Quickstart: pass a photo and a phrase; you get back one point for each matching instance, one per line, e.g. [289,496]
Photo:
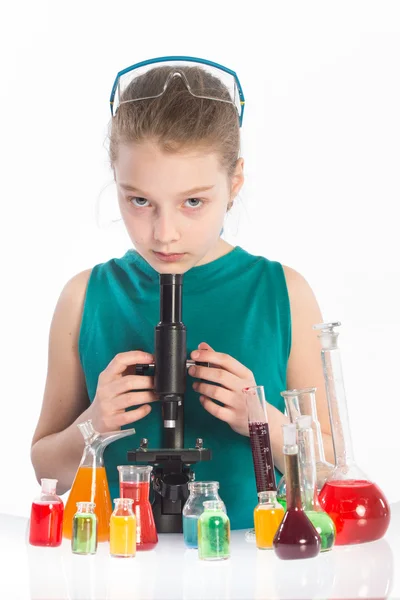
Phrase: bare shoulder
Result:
[65,395]
[301,295]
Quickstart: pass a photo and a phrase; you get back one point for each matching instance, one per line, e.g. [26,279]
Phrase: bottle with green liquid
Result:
[308,484]
[213,532]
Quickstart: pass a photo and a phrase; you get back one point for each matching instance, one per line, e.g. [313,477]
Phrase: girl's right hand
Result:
[115,393]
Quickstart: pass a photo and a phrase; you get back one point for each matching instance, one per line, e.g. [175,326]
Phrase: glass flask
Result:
[358,507]
[296,536]
[308,484]
[268,515]
[123,529]
[299,403]
[45,525]
[134,483]
[213,532]
[263,462]
[90,483]
[199,492]
[84,529]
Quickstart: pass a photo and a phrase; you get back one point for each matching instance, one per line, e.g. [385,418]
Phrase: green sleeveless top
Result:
[239,305]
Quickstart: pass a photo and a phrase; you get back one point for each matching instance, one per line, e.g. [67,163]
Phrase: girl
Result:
[175,155]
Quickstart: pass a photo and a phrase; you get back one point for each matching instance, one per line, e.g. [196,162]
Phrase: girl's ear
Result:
[237,180]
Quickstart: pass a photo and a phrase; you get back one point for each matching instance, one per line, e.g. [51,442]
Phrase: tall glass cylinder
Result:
[357,506]
[308,483]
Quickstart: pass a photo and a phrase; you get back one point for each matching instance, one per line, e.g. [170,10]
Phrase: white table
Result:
[171,571]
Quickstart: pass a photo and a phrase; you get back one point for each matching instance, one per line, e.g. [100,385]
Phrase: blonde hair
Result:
[177,120]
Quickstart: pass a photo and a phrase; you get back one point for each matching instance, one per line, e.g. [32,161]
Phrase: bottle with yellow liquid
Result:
[90,483]
[123,529]
[268,515]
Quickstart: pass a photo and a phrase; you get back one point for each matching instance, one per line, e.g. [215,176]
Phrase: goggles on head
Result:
[172,68]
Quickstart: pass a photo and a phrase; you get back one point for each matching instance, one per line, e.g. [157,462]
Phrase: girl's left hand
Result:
[233,376]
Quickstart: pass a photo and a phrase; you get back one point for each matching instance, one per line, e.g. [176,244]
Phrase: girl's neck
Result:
[220,249]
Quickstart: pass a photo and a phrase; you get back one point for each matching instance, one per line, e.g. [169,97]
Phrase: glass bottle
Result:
[123,529]
[308,484]
[134,483]
[199,492]
[90,483]
[299,403]
[296,536]
[213,532]
[47,511]
[84,529]
[358,507]
[267,516]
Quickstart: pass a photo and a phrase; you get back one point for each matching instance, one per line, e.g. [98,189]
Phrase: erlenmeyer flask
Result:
[358,507]
[134,483]
[302,403]
[90,483]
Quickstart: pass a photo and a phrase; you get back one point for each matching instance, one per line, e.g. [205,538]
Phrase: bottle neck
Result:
[338,412]
[308,472]
[293,494]
[268,497]
[305,404]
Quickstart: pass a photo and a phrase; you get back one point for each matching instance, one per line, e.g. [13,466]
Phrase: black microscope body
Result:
[172,463]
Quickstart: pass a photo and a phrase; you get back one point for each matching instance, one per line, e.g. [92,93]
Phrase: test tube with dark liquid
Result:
[268,514]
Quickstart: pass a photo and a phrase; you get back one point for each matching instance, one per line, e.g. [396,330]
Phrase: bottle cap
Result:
[304,422]
[289,434]
[49,485]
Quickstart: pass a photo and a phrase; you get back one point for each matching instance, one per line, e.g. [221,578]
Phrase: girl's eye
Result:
[194,202]
[138,201]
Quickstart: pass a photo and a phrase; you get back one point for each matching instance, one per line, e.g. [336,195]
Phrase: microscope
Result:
[172,463]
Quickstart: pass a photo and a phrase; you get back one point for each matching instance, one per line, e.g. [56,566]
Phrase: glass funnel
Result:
[308,484]
[260,442]
[90,483]
[301,403]
[358,507]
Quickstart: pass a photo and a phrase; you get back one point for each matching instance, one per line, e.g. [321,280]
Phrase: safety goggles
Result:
[190,79]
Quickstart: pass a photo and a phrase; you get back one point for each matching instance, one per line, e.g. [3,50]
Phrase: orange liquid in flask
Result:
[81,492]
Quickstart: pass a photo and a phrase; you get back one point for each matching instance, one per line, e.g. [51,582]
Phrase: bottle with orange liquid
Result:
[90,483]
[123,529]
[357,506]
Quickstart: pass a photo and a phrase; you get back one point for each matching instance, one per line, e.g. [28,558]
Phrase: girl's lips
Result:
[169,257]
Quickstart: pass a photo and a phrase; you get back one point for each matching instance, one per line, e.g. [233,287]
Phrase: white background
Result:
[321,146]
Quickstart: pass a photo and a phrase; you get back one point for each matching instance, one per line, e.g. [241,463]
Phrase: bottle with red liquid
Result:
[45,527]
[296,536]
[134,483]
[357,506]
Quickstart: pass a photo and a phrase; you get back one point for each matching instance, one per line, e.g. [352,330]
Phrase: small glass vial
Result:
[268,515]
[199,492]
[45,525]
[84,529]
[213,532]
[123,529]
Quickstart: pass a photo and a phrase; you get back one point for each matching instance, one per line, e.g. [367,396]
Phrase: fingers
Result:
[220,412]
[217,393]
[130,382]
[231,382]
[134,415]
[222,360]
[121,361]
[132,399]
